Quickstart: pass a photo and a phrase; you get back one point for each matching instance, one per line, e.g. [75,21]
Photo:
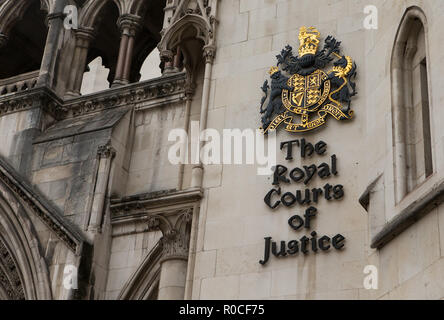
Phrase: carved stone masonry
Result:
[209,53]
[9,275]
[84,37]
[106,151]
[129,24]
[167,56]
[176,233]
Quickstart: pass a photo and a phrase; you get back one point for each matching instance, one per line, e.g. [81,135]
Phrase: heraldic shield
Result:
[309,90]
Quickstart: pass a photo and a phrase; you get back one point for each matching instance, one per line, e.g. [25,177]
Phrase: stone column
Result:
[54,21]
[209,54]
[83,39]
[174,264]
[105,155]
[129,26]
[175,250]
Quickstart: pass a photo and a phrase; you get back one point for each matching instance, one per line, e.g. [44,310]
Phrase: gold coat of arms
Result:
[302,101]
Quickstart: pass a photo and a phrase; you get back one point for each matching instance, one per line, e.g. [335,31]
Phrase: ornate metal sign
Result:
[309,89]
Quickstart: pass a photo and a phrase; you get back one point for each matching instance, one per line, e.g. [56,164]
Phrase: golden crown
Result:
[273,70]
[309,41]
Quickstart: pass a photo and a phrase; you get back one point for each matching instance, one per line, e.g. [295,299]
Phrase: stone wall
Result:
[62,161]
[233,226]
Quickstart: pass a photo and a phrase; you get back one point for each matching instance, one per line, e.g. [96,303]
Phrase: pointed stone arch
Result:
[413,23]
[189,26]
[25,215]
[137,7]
[90,11]
[23,270]
[12,11]
[144,283]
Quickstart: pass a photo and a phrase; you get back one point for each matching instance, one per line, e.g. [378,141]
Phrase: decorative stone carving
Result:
[175,229]
[142,206]
[106,151]
[9,275]
[137,93]
[33,98]
[129,24]
[166,56]
[209,53]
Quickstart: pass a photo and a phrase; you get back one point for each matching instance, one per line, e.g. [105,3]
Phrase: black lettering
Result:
[309,213]
[297,174]
[289,145]
[306,199]
[307,149]
[288,203]
[333,165]
[310,172]
[338,192]
[267,198]
[314,246]
[304,242]
[282,252]
[324,171]
[320,148]
[279,175]
[267,251]
[316,193]
[327,190]
[322,242]
[293,247]
[296,222]
[338,241]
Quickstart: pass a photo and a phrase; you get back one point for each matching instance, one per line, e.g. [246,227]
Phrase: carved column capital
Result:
[209,53]
[106,151]
[129,24]
[175,231]
[84,36]
[175,246]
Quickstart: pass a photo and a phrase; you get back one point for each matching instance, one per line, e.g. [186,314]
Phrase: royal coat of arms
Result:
[309,90]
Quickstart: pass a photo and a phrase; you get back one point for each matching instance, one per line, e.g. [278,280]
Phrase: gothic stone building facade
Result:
[88,195]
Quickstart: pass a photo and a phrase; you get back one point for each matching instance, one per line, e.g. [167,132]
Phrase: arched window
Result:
[23,50]
[103,52]
[22,46]
[411,107]
[122,39]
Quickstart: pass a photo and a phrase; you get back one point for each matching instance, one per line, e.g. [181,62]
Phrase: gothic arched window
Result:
[411,108]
